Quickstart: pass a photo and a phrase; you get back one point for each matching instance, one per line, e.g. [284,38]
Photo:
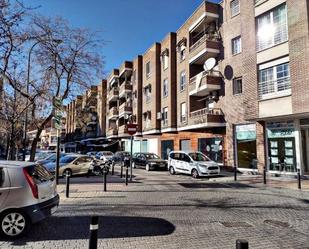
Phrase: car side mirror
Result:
[76,163]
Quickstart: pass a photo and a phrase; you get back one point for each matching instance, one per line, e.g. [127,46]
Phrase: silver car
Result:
[27,195]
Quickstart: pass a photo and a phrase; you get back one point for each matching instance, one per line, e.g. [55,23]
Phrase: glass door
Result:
[166,147]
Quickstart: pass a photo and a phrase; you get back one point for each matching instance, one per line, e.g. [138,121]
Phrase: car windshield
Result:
[199,157]
[67,159]
[152,156]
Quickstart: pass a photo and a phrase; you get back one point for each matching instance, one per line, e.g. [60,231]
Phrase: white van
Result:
[192,163]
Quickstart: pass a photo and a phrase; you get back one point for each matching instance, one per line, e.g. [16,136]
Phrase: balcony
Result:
[124,108]
[206,44]
[125,87]
[126,68]
[113,94]
[204,83]
[123,131]
[112,132]
[113,113]
[206,117]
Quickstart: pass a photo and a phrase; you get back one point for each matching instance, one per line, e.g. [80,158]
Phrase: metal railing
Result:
[206,111]
[274,87]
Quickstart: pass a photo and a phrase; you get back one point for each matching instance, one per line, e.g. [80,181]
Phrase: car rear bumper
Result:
[42,210]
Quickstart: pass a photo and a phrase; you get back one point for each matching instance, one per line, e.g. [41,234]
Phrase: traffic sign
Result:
[131,129]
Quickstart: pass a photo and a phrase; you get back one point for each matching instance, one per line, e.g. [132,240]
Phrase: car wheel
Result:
[147,167]
[14,224]
[194,173]
[172,170]
[67,172]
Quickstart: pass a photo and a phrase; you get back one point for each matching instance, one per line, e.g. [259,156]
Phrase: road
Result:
[163,211]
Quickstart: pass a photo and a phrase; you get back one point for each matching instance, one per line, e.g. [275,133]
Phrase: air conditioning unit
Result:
[159,115]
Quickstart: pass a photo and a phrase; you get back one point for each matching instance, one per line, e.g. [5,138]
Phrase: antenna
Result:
[209,64]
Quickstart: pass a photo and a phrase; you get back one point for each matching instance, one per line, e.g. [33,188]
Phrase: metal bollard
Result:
[67,189]
[121,170]
[264,175]
[242,244]
[299,178]
[235,173]
[127,173]
[104,176]
[94,226]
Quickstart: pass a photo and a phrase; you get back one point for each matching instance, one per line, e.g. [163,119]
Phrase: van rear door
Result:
[4,185]
[44,180]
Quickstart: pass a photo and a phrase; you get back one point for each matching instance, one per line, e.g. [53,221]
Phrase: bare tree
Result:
[68,62]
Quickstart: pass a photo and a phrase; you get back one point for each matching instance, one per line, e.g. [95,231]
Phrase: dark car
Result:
[119,157]
[149,161]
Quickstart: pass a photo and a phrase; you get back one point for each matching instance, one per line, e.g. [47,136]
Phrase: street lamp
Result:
[57,41]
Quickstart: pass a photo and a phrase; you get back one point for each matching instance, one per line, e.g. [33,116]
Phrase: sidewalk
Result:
[271,181]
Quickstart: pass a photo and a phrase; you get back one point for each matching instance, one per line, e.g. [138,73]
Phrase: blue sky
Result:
[130,27]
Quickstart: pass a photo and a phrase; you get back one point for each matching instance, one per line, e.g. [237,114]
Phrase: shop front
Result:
[281,146]
[245,144]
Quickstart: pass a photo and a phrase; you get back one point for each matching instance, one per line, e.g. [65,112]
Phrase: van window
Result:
[175,156]
[1,177]
[185,158]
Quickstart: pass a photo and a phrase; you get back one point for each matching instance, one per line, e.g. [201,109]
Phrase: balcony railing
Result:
[203,39]
[125,87]
[113,113]
[205,112]
[124,108]
[113,93]
[112,131]
[204,74]
[122,129]
[274,88]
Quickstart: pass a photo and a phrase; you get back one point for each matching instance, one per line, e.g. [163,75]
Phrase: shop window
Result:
[185,145]
[212,147]
[246,146]
[281,146]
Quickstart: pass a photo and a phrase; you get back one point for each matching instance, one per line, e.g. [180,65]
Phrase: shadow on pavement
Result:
[77,227]
[215,185]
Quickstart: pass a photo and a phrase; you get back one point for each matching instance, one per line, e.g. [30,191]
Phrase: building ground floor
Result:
[279,145]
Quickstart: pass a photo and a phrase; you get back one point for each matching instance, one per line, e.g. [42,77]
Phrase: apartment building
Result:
[251,110]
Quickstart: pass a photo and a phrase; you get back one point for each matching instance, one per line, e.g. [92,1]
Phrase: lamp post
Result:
[27,91]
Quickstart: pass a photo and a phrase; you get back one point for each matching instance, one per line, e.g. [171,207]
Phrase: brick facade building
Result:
[250,110]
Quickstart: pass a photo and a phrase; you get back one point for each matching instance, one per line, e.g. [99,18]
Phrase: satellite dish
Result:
[209,64]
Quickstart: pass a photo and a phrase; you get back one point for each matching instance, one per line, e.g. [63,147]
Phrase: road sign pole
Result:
[57,156]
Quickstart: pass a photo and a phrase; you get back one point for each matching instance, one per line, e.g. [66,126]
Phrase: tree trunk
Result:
[34,144]
[11,150]
[37,137]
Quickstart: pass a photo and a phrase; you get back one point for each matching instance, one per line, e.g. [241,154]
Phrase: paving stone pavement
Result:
[163,211]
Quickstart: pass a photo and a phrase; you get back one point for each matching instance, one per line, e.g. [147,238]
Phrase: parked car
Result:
[73,164]
[39,155]
[51,158]
[149,161]
[91,153]
[104,155]
[119,157]
[192,163]
[27,195]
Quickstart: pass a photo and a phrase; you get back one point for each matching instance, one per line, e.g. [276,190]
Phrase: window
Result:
[274,80]
[182,53]
[183,112]
[235,7]
[148,69]
[164,116]
[272,28]
[236,45]
[182,80]
[237,86]
[148,94]
[165,61]
[165,88]
[1,177]
[134,77]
